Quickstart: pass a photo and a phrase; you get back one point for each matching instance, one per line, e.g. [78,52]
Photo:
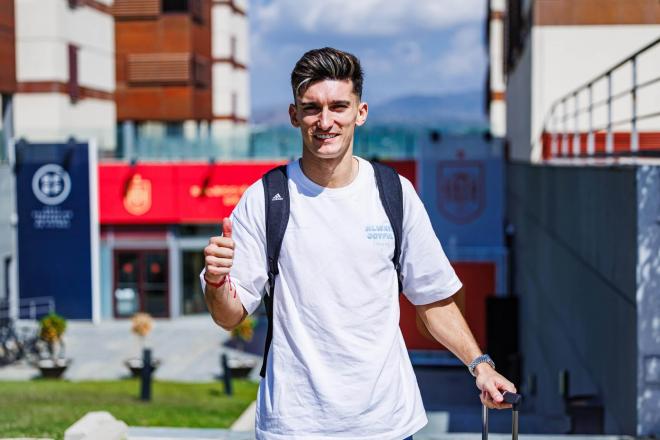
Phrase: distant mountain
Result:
[462,109]
[273,115]
[459,108]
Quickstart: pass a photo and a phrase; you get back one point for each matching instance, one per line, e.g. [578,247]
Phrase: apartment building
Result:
[65,71]
[181,68]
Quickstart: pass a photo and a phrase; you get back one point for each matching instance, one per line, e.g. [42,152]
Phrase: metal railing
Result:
[28,308]
[267,143]
[572,127]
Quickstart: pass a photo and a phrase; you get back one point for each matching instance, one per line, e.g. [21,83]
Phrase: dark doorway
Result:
[141,283]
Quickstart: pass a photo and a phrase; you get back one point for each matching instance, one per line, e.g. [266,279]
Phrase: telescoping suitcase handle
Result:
[515,400]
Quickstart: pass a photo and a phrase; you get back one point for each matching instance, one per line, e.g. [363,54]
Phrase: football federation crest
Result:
[461,190]
[51,184]
[137,199]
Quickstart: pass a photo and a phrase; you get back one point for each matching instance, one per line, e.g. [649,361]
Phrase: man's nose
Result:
[325,119]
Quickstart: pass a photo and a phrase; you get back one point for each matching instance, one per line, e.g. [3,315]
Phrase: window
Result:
[201,72]
[232,47]
[193,297]
[174,129]
[175,5]
[74,87]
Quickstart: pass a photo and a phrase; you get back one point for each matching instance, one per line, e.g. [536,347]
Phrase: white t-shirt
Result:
[338,367]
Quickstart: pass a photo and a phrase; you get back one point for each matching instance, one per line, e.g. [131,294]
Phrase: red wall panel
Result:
[478,282]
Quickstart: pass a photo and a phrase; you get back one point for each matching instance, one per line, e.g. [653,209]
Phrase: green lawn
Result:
[45,408]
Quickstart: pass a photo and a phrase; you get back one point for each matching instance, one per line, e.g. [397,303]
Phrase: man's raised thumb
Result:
[226,227]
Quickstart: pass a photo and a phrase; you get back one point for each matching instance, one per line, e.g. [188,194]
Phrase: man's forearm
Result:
[225,307]
[445,322]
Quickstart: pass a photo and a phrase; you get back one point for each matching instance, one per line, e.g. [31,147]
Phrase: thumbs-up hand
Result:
[219,255]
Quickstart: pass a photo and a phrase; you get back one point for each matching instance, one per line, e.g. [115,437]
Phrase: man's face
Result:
[327,114]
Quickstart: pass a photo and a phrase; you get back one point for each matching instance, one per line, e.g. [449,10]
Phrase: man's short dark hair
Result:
[323,64]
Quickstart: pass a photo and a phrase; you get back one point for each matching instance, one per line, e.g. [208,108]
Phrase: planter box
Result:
[135,365]
[53,369]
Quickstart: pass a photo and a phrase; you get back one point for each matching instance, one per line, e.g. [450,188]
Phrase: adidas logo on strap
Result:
[276,197]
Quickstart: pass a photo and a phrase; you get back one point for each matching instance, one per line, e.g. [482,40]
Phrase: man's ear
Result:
[363,110]
[293,115]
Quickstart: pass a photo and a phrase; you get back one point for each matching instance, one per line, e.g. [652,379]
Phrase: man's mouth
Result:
[325,136]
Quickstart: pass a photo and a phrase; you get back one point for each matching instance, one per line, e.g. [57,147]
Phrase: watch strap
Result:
[484,358]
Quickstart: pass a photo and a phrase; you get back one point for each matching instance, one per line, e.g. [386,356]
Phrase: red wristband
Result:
[216,285]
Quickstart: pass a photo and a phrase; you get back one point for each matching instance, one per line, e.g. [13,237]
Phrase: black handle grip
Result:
[512,398]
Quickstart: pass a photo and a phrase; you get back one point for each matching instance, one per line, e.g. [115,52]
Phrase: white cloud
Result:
[464,55]
[405,46]
[365,17]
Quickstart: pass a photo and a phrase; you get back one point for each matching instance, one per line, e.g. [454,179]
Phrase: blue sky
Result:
[428,47]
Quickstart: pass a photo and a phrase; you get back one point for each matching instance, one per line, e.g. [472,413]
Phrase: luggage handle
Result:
[515,400]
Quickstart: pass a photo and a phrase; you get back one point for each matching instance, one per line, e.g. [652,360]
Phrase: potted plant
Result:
[51,329]
[141,326]
[240,335]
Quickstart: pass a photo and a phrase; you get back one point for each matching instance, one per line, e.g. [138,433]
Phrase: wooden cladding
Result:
[163,60]
[7,47]
[130,9]
[596,12]
[159,69]
[62,88]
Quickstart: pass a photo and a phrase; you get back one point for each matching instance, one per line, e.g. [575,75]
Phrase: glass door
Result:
[141,283]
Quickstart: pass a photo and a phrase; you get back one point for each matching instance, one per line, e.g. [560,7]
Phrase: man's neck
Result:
[330,173]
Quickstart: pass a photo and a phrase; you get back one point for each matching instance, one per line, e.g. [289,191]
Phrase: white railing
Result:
[582,123]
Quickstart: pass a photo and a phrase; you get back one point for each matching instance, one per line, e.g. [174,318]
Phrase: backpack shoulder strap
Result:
[391,196]
[276,196]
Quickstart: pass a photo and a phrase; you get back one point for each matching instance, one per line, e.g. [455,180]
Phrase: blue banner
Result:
[462,187]
[55,225]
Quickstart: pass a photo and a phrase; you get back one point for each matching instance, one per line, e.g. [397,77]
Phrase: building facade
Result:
[160,79]
[65,71]
[182,77]
[495,83]
[582,114]
[553,47]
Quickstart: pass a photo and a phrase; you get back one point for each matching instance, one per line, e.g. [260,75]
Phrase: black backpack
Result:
[276,191]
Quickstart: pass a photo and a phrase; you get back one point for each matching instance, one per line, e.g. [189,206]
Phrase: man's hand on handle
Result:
[492,384]
[219,254]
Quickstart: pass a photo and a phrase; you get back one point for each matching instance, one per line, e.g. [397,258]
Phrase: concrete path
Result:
[189,349]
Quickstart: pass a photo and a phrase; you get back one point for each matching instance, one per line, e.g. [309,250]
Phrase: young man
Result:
[337,367]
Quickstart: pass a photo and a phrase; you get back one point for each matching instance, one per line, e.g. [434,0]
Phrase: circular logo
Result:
[51,184]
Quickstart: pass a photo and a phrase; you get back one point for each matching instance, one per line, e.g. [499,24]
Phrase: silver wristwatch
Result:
[479,360]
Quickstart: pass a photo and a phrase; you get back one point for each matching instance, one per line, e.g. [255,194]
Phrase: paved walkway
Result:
[189,349]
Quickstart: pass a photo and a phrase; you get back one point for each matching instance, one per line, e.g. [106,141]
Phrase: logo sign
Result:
[137,200]
[461,190]
[57,231]
[51,184]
